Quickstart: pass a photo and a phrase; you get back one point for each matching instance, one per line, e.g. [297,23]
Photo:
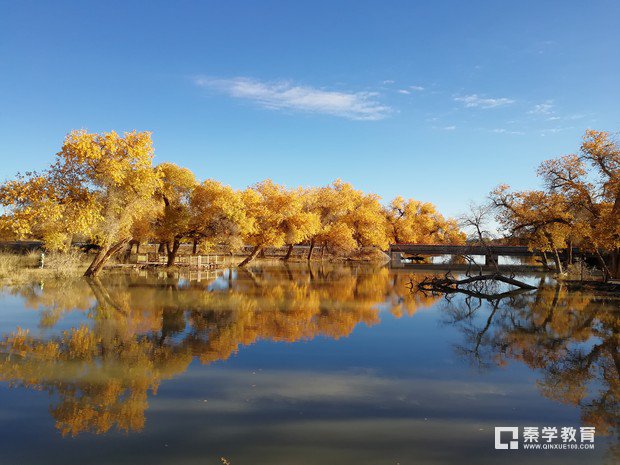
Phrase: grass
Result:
[16,267]
[578,272]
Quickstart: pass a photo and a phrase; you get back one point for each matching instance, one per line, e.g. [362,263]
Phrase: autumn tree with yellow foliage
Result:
[97,187]
[579,207]
[420,222]
[218,214]
[278,217]
[173,223]
[331,204]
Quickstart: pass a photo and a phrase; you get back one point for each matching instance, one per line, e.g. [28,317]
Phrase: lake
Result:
[300,365]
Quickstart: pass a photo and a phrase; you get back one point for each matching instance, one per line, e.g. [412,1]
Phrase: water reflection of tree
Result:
[570,336]
[138,331]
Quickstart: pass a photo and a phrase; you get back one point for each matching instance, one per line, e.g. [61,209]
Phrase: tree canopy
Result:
[103,188]
[98,186]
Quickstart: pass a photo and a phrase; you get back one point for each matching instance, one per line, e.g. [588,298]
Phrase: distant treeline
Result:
[104,188]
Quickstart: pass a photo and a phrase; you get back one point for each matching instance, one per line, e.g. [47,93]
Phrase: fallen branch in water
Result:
[472,285]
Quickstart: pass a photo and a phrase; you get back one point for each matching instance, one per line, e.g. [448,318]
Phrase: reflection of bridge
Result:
[491,252]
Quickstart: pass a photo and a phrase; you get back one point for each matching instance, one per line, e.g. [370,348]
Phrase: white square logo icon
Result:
[513,442]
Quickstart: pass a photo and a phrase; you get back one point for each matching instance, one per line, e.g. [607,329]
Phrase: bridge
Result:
[491,252]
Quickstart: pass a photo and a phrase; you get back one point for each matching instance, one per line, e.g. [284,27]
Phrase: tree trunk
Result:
[289,252]
[322,251]
[250,257]
[137,247]
[161,249]
[195,247]
[615,263]
[103,255]
[556,255]
[172,252]
[602,264]
[311,249]
[556,259]
[127,254]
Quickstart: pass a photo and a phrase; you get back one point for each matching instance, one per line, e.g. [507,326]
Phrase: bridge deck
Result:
[442,249]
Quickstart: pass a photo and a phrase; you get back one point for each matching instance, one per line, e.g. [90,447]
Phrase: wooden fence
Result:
[152,258]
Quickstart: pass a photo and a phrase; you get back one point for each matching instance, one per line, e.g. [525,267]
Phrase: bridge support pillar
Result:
[396,260]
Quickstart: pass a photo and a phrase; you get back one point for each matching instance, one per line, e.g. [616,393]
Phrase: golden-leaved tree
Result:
[543,219]
[348,218]
[331,205]
[366,220]
[97,187]
[301,222]
[580,206]
[173,223]
[419,222]
[218,214]
[278,217]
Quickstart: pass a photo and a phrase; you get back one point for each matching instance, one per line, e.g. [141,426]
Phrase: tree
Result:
[580,205]
[348,218]
[142,231]
[594,195]
[218,214]
[278,217]
[301,222]
[97,187]
[543,219]
[419,222]
[367,220]
[173,223]
[331,204]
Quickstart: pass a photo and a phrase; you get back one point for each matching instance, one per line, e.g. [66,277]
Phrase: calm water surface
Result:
[297,365]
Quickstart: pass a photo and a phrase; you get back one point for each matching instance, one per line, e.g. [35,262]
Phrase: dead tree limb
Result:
[472,285]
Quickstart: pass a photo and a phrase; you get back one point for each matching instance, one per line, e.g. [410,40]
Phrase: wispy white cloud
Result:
[545,108]
[547,111]
[388,81]
[403,91]
[282,95]
[507,131]
[418,88]
[555,130]
[475,101]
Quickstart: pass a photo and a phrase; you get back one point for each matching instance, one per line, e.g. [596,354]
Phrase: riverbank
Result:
[15,268]
[610,287]
[34,265]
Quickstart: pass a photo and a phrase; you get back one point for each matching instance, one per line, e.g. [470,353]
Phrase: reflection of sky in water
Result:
[392,392]
[480,259]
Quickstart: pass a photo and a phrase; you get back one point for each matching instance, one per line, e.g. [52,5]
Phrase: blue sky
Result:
[437,100]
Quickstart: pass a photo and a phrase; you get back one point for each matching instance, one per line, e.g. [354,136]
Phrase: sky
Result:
[437,100]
